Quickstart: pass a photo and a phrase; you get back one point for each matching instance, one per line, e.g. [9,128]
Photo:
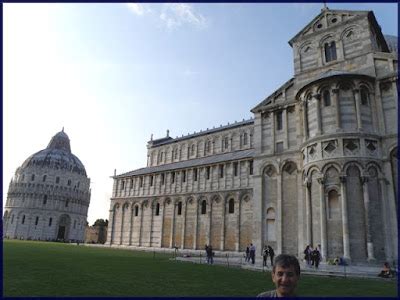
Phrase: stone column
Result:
[184,203]
[272,131]
[336,102]
[345,219]
[305,120]
[395,92]
[151,222]
[358,108]
[317,98]
[162,223]
[386,219]
[324,248]
[237,245]
[370,245]
[222,246]
[209,223]
[279,213]
[375,124]
[130,226]
[141,224]
[308,212]
[196,224]
[172,237]
[286,128]
[379,108]
[122,225]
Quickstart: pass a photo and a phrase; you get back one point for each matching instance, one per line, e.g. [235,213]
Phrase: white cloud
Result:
[138,9]
[177,14]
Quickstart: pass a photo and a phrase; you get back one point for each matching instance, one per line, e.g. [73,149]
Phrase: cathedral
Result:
[49,196]
[316,165]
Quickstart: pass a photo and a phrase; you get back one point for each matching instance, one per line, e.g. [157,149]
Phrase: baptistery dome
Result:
[49,196]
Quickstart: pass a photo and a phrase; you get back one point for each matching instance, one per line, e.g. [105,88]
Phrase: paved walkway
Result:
[323,270]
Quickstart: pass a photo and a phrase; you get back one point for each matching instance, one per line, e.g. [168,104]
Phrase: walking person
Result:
[253,253]
[271,254]
[307,255]
[316,257]
[265,256]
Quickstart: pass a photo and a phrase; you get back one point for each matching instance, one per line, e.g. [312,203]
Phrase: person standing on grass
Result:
[253,253]
[265,256]
[285,276]
[271,254]
[210,259]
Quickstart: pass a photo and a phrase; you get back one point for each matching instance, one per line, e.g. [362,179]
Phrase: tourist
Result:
[265,256]
[386,271]
[316,257]
[210,259]
[247,253]
[271,254]
[307,255]
[285,275]
[253,253]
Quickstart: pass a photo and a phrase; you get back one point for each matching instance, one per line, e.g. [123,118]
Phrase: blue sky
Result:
[113,74]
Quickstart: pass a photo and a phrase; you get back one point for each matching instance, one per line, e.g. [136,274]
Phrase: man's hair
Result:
[286,261]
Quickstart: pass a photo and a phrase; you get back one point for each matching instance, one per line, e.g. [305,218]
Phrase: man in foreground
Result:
[285,275]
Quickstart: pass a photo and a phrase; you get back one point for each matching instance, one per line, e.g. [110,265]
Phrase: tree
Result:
[101,222]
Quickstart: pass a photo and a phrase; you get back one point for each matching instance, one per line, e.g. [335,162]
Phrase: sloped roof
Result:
[169,140]
[321,16]
[268,100]
[208,160]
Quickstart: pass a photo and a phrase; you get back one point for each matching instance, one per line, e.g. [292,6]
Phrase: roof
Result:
[331,73]
[169,140]
[268,100]
[391,41]
[208,160]
[57,156]
[319,16]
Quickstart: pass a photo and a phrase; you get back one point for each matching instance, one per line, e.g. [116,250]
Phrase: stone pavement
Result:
[324,269]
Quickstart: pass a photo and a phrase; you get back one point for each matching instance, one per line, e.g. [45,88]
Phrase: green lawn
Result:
[55,269]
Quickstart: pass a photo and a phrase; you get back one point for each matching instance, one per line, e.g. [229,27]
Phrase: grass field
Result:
[55,269]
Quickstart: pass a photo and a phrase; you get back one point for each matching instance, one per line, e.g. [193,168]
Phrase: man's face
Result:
[285,280]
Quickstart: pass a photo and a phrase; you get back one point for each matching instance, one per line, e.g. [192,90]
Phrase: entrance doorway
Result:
[61,232]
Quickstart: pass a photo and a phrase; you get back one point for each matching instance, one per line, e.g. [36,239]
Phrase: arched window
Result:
[45,199]
[33,177]
[364,96]
[12,219]
[44,178]
[57,179]
[333,205]
[271,224]
[226,143]
[158,209]
[326,95]
[192,150]
[231,206]
[23,219]
[203,207]
[279,123]
[50,221]
[136,211]
[180,208]
[36,221]
[330,51]
[245,139]
[66,203]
